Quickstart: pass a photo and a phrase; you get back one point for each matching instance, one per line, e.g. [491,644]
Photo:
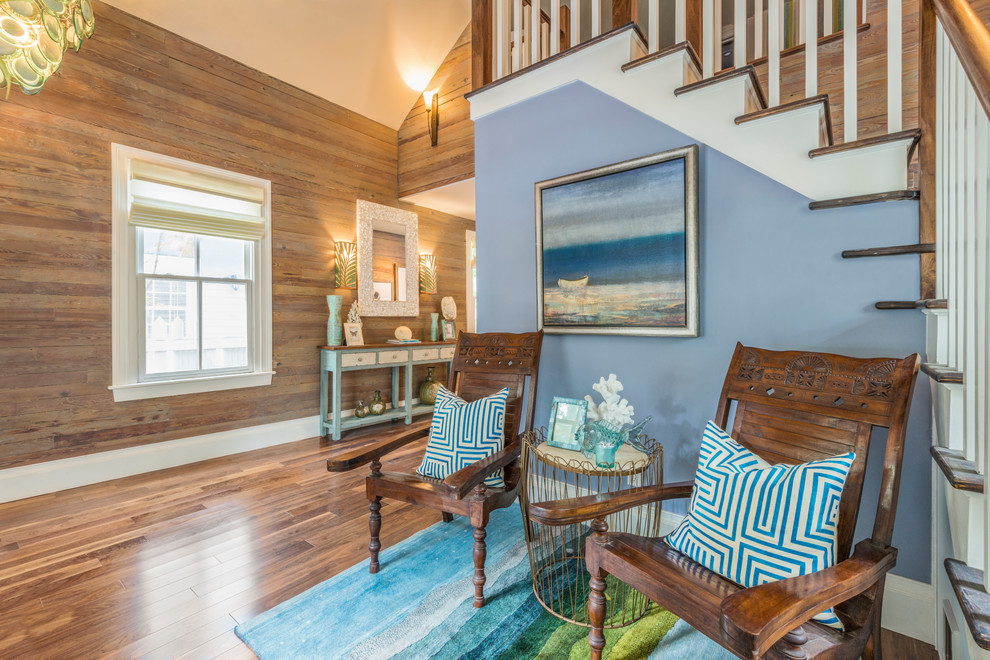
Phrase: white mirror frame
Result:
[371,216]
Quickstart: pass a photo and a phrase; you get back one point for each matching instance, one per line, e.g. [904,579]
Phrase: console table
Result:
[335,360]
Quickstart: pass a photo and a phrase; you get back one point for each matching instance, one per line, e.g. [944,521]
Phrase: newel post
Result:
[481,43]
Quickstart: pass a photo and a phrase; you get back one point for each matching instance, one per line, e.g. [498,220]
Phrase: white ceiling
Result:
[374,57]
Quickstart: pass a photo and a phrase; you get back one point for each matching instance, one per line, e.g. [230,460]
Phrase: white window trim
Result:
[125,326]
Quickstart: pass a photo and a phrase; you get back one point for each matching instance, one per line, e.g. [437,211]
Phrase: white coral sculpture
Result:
[612,409]
[354,315]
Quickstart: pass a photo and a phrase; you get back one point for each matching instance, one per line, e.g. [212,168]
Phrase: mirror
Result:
[388,252]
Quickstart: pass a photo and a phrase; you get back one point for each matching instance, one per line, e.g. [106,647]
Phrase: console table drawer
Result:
[447,353]
[425,354]
[355,359]
[392,357]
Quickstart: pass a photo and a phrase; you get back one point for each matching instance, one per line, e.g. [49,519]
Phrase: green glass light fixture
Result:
[33,36]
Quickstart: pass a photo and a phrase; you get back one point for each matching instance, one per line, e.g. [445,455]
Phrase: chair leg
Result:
[447,517]
[596,614]
[374,526]
[874,647]
[479,566]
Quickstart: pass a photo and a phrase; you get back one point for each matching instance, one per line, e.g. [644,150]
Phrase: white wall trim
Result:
[908,605]
[42,478]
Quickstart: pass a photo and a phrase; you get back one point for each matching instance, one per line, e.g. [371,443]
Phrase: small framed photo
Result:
[447,330]
[353,334]
[382,291]
[567,416]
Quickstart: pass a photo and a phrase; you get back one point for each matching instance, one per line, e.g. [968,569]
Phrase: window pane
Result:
[168,252]
[171,327]
[224,325]
[223,257]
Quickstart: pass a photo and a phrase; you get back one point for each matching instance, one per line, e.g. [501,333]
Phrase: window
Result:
[191,277]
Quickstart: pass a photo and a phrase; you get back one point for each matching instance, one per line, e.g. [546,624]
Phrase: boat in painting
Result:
[573,284]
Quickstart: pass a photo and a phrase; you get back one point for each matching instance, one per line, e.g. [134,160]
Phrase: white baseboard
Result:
[908,605]
[909,608]
[52,476]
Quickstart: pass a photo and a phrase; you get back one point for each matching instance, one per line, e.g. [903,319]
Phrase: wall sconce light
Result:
[432,115]
[346,257]
[33,36]
[427,273]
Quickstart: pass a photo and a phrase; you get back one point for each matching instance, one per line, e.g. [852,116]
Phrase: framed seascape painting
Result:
[617,248]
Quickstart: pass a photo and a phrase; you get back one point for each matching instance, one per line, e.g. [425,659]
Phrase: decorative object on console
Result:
[35,35]
[795,536]
[346,257]
[432,104]
[447,330]
[361,409]
[462,433]
[428,390]
[354,314]
[448,307]
[427,273]
[610,238]
[334,330]
[434,326]
[377,406]
[567,418]
[403,333]
[353,334]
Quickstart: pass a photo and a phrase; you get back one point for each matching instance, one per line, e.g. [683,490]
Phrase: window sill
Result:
[161,388]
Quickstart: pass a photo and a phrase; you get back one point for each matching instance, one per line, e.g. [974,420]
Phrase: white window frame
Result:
[127,307]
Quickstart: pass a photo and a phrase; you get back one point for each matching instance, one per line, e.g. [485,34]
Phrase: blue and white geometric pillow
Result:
[754,523]
[462,433]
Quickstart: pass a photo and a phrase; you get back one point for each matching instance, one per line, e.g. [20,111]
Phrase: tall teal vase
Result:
[335,331]
[434,327]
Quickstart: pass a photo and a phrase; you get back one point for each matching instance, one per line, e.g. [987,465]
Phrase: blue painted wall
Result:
[771,276]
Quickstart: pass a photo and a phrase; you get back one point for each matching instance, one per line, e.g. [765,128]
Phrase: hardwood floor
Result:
[164,565]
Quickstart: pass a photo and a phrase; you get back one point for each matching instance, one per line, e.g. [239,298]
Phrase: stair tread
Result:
[916,248]
[890,196]
[670,50]
[928,303]
[967,583]
[747,70]
[941,374]
[913,134]
[821,99]
[961,473]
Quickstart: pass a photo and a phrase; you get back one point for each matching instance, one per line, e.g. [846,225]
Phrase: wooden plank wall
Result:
[139,85]
[421,165]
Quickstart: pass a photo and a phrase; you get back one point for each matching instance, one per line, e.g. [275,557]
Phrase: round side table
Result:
[556,554]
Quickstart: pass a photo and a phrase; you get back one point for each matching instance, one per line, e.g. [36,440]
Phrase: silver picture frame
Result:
[612,237]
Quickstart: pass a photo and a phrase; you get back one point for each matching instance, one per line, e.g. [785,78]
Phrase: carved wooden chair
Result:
[482,365]
[791,407]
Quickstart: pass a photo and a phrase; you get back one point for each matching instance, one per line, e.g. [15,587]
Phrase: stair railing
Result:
[955,153]
[772,29]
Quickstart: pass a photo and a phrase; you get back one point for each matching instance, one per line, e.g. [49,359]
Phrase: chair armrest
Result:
[588,507]
[462,482]
[754,619]
[348,458]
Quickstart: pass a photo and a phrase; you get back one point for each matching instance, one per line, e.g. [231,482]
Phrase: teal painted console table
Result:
[336,360]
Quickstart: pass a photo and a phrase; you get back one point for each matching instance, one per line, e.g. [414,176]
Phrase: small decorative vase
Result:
[335,331]
[605,455]
[361,409]
[434,327]
[377,406]
[428,390]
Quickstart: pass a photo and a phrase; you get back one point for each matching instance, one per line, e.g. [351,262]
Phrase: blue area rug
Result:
[419,605]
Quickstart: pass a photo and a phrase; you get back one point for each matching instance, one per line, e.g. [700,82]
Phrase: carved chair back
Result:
[794,407]
[485,363]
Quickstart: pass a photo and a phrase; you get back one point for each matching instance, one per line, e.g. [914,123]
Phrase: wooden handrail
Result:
[971,40]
